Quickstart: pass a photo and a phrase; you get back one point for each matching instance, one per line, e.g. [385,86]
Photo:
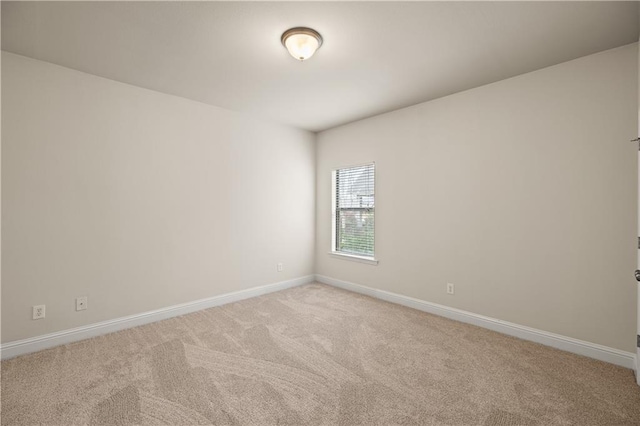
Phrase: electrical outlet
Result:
[38,312]
[81,303]
[280,267]
[450,288]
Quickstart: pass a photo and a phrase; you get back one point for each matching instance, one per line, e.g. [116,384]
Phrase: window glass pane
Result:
[355,215]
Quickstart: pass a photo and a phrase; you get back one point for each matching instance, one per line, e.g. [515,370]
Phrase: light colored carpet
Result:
[314,355]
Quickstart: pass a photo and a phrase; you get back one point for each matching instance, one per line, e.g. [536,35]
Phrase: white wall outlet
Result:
[280,267]
[450,288]
[81,303]
[38,312]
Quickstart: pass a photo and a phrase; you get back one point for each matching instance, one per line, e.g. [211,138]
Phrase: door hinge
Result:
[636,140]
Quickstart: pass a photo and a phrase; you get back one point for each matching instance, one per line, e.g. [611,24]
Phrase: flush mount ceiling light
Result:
[301,42]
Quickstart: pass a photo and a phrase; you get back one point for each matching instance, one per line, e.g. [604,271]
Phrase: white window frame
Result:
[370,260]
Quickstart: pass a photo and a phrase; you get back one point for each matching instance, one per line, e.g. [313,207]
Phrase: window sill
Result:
[354,258]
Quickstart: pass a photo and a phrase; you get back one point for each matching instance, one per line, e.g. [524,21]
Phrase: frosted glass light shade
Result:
[301,43]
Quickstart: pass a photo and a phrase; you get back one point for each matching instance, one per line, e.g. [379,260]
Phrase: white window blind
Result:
[354,210]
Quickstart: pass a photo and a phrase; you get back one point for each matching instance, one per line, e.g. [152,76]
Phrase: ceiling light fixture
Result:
[301,42]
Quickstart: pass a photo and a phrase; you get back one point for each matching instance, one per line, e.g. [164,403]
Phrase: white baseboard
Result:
[38,343]
[581,347]
[637,367]
[569,344]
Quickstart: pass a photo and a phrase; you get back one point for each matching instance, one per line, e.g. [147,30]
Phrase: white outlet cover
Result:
[38,312]
[280,267]
[450,288]
[81,303]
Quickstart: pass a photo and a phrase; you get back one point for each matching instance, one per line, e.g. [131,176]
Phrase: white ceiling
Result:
[376,57]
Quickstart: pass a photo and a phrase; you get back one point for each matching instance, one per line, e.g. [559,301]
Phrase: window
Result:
[353,207]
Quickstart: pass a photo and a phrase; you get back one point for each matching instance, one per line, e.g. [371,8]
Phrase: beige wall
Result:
[638,228]
[140,200]
[522,193]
